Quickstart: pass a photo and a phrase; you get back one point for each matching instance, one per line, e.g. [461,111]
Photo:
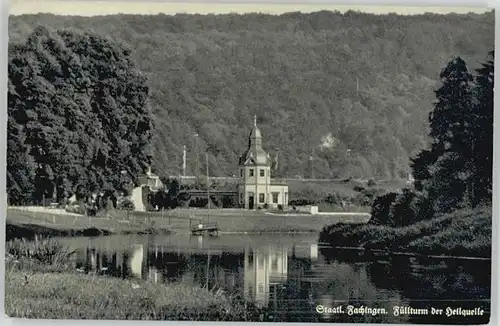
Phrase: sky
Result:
[91,8]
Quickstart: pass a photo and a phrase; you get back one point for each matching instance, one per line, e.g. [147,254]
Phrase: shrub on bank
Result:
[303,202]
[464,232]
[468,234]
[126,205]
[401,209]
[381,208]
[401,212]
[39,254]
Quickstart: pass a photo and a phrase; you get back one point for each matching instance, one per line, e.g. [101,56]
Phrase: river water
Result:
[296,279]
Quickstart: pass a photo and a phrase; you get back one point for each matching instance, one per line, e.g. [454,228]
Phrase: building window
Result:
[262,198]
[275,197]
[250,172]
[250,258]
[262,173]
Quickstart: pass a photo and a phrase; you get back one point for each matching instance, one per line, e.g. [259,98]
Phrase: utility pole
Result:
[311,165]
[184,161]
[208,187]
[197,157]
[276,162]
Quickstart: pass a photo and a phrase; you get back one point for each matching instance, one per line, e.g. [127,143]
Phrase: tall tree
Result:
[78,110]
[446,170]
[483,132]
[449,119]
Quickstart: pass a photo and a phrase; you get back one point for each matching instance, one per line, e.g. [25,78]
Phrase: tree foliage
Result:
[172,196]
[381,209]
[363,81]
[483,132]
[79,120]
[456,171]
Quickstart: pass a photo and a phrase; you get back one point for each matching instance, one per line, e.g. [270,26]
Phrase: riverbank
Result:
[53,289]
[461,233]
[73,296]
[178,221]
[27,224]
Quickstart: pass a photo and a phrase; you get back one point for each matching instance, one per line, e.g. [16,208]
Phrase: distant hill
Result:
[324,80]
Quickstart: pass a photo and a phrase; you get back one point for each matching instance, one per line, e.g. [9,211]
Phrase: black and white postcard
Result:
[258,163]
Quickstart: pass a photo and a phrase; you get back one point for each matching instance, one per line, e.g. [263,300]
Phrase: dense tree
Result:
[171,196]
[449,128]
[78,116]
[402,213]
[21,171]
[457,169]
[381,209]
[365,80]
[452,136]
[483,133]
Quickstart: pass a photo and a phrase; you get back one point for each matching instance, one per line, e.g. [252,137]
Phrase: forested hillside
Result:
[324,81]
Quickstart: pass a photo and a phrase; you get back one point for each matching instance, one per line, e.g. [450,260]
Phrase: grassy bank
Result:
[177,221]
[41,282]
[462,233]
[72,296]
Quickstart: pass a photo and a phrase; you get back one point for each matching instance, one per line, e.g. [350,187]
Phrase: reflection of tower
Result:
[118,262]
[136,261]
[96,259]
[154,275]
[263,268]
[93,260]
[278,261]
[314,252]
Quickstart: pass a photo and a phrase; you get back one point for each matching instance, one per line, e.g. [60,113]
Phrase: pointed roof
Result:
[255,154]
[255,134]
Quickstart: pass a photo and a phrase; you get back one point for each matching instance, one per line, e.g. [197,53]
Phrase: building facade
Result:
[256,187]
[151,180]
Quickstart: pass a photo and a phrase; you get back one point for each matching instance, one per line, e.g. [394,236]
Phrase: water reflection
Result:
[263,268]
[291,278]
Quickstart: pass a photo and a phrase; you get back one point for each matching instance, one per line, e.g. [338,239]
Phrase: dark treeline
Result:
[364,80]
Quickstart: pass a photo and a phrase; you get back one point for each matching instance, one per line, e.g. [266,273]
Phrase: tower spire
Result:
[255,120]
